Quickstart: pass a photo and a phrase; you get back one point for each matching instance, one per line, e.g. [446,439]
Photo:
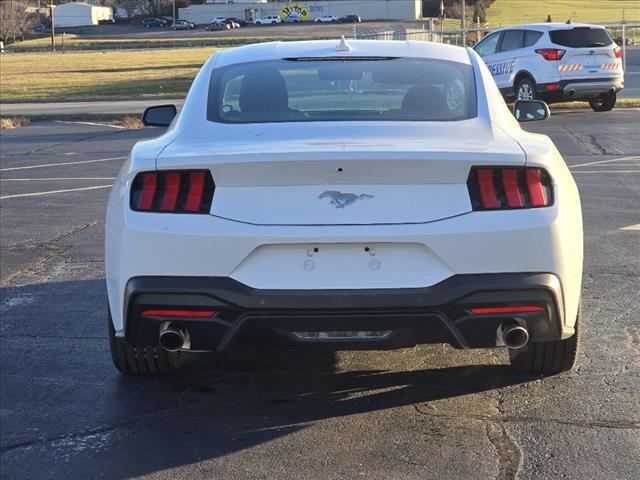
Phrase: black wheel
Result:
[604,102]
[133,359]
[547,357]
[525,89]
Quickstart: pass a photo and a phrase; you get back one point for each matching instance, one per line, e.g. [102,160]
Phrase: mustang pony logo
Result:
[341,200]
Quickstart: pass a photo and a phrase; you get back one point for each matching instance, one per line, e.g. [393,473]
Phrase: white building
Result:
[306,10]
[76,14]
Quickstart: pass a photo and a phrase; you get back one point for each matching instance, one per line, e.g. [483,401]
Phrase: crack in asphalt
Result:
[33,266]
[587,143]
[615,424]
[509,454]
[600,149]
[54,251]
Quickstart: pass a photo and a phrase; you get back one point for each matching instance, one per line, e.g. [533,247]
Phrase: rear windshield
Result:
[311,90]
[581,37]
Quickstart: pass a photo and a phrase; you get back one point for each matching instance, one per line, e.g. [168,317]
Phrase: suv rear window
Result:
[335,89]
[581,37]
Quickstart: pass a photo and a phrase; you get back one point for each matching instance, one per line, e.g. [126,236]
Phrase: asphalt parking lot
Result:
[425,412]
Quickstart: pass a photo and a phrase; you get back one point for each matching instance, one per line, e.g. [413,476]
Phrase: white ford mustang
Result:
[372,194]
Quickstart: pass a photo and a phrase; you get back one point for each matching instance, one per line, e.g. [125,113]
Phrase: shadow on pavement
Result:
[62,398]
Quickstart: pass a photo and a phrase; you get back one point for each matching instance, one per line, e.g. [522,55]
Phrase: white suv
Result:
[555,62]
[326,19]
[267,20]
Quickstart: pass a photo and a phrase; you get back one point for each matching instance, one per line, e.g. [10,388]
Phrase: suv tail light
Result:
[617,52]
[501,188]
[180,191]
[551,53]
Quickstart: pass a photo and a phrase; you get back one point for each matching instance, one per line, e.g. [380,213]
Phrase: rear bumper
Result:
[435,314]
[580,88]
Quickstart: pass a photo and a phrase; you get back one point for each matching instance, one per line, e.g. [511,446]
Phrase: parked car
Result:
[41,28]
[292,18]
[219,19]
[627,41]
[167,20]
[326,19]
[238,23]
[182,25]
[327,216]
[153,22]
[555,62]
[217,26]
[267,20]
[350,19]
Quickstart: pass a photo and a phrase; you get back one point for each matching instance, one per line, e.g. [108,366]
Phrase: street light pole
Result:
[174,10]
[462,24]
[53,27]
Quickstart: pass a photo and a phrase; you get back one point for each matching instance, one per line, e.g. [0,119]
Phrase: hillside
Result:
[513,12]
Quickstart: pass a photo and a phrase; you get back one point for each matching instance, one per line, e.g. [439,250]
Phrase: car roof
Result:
[550,26]
[328,48]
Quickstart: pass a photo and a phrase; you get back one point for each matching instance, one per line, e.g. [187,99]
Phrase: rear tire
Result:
[604,103]
[525,89]
[547,358]
[132,359]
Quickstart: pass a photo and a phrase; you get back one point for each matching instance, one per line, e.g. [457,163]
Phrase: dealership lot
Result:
[268,413]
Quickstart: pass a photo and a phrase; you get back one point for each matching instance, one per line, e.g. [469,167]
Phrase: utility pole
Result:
[174,10]
[53,27]
[462,24]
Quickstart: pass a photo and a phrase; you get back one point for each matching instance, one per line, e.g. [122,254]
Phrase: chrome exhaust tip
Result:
[513,335]
[173,339]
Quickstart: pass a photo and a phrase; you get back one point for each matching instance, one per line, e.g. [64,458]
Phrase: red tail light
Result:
[617,52]
[498,188]
[551,54]
[187,191]
[495,310]
[179,313]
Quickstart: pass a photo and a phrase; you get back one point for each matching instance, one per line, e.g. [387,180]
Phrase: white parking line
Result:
[611,160]
[633,228]
[54,179]
[50,192]
[95,124]
[10,169]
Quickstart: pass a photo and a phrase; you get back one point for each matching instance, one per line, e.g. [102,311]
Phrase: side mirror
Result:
[530,110]
[159,116]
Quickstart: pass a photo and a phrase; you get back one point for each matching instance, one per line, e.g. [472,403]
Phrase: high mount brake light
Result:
[503,188]
[551,54]
[179,191]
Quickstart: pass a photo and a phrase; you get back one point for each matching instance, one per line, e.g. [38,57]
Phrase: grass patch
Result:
[621,102]
[99,75]
[130,122]
[13,122]
[512,12]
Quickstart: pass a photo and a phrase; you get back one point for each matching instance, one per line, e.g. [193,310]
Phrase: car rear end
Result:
[589,63]
[305,225]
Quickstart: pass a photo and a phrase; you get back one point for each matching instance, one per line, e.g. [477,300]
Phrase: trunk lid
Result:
[589,52]
[341,174]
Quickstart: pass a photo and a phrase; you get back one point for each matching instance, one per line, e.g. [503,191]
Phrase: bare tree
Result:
[130,7]
[14,21]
